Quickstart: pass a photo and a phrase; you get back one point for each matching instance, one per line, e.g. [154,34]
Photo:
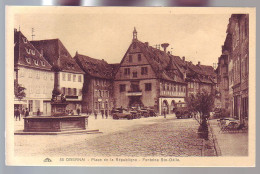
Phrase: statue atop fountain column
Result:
[58,101]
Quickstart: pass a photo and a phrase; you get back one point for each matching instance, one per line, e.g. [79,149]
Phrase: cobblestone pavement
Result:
[145,137]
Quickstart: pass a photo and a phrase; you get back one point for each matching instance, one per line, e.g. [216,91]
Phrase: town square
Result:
[129,85]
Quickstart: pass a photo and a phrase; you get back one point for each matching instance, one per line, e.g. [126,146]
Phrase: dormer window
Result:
[36,62]
[43,63]
[28,60]
[27,50]
[24,40]
[33,52]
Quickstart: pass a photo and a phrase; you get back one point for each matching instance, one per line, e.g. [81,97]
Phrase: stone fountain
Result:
[59,120]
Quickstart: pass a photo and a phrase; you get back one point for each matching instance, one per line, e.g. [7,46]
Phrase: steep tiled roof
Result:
[161,62]
[95,67]
[26,54]
[115,67]
[208,70]
[53,50]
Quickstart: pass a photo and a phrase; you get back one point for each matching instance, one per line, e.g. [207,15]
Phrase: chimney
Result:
[198,63]
[147,44]
[165,45]
[183,58]
[15,30]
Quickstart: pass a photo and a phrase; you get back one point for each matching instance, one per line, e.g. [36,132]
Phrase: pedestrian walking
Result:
[164,113]
[26,112]
[17,115]
[106,113]
[38,112]
[95,113]
[102,113]
[78,111]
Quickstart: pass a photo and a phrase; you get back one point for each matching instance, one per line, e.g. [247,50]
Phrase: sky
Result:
[198,37]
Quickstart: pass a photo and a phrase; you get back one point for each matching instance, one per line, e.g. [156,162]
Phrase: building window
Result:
[75,91]
[127,71]
[69,91]
[74,78]
[139,57]
[24,40]
[27,50]
[122,87]
[37,75]
[191,85]
[64,76]
[43,63]
[30,73]
[36,62]
[28,60]
[148,86]
[45,75]
[69,77]
[79,78]
[144,70]
[33,52]
[130,58]
[134,74]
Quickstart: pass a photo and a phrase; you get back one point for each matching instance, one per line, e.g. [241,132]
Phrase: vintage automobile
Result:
[144,112]
[182,112]
[120,113]
[151,112]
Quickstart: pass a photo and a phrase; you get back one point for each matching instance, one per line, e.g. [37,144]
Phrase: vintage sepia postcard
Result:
[130,86]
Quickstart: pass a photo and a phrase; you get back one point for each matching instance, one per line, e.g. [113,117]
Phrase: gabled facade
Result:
[148,77]
[71,77]
[98,84]
[33,72]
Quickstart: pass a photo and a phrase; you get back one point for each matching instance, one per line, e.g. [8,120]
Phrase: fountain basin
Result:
[55,124]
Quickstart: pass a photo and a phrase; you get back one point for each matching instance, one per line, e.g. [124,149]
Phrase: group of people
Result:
[103,113]
[18,113]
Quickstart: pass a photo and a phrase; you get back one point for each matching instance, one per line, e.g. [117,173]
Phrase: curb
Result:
[215,142]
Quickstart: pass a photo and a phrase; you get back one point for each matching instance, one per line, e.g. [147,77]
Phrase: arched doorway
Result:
[173,106]
[165,106]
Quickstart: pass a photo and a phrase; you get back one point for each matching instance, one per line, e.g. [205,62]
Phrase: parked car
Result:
[182,112]
[120,113]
